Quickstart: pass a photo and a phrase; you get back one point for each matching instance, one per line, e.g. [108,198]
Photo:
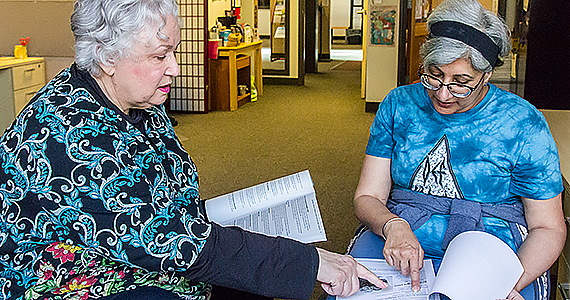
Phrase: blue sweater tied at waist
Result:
[465,215]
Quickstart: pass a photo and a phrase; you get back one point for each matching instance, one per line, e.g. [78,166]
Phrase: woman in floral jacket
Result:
[101,201]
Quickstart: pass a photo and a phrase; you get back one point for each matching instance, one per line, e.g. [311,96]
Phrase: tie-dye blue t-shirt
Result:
[496,152]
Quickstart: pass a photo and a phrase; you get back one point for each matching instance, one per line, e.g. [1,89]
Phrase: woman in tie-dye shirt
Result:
[455,153]
[101,201]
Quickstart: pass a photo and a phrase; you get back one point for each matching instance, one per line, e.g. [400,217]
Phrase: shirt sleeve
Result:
[77,174]
[270,266]
[380,141]
[89,178]
[537,172]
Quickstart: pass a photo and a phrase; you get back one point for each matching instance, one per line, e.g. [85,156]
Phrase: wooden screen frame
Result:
[189,91]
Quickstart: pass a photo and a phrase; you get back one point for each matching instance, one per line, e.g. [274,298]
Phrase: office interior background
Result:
[322,81]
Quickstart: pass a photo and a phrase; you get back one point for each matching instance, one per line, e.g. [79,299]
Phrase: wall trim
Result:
[324,57]
[372,106]
[282,81]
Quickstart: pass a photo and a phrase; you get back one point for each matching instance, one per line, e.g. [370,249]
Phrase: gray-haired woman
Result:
[455,153]
[101,201]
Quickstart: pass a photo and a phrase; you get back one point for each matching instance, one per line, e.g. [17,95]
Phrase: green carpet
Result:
[321,127]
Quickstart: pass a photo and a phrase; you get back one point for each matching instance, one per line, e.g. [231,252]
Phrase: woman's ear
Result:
[109,69]
[487,77]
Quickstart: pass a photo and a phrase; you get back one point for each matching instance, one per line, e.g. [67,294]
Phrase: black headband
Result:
[470,36]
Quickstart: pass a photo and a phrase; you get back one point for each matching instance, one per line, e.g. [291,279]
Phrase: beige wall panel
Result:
[46,23]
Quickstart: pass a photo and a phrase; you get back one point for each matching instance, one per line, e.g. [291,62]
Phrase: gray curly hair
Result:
[106,30]
[438,51]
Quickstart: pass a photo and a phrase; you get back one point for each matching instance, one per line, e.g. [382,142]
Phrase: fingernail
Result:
[416,289]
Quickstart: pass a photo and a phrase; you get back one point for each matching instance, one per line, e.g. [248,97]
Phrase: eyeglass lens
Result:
[435,84]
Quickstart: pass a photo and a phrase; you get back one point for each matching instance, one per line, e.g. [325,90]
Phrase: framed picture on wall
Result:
[382,24]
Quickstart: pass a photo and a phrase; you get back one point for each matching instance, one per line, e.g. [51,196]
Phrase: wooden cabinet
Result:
[20,79]
[224,85]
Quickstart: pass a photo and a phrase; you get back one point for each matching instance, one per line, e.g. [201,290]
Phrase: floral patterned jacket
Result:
[92,205]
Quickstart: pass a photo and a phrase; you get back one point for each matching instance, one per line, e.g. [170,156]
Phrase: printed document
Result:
[475,266]
[399,286]
[285,207]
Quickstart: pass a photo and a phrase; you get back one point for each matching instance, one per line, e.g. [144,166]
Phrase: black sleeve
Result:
[273,267]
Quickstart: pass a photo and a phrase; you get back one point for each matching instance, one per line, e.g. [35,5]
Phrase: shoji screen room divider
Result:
[188,92]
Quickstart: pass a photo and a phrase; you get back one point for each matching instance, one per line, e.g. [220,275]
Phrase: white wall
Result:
[247,8]
[216,9]
[264,21]
[340,13]
[381,62]
[510,14]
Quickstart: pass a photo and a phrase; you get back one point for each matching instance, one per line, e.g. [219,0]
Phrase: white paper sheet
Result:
[477,266]
[286,206]
[400,286]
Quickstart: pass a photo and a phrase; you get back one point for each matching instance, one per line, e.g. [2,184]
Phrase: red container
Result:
[213,49]
[237,12]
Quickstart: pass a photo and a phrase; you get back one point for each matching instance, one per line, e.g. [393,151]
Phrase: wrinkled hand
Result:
[339,274]
[403,251]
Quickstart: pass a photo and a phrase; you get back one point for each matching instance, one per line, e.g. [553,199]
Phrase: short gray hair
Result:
[106,30]
[437,51]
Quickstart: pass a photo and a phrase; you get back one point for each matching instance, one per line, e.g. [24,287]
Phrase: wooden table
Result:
[232,53]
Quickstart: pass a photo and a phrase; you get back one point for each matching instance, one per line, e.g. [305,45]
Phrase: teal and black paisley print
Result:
[93,205]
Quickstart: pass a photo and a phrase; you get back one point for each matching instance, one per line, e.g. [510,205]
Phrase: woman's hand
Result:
[514,295]
[339,274]
[403,251]
[402,248]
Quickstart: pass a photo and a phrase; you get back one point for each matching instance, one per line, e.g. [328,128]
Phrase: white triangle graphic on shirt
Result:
[434,176]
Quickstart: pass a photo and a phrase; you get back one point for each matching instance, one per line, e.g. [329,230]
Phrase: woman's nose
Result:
[443,93]
[173,68]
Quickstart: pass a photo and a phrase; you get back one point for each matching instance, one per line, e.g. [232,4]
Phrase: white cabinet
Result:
[20,79]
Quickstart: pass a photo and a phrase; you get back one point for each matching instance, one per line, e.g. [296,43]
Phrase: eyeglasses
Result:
[456,89]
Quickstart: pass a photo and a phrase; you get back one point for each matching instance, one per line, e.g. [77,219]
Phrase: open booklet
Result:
[476,266]
[286,207]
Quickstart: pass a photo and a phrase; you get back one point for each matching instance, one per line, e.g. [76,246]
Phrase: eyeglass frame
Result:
[471,89]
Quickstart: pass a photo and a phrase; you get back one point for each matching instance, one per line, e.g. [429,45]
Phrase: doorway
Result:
[346,33]
[273,21]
